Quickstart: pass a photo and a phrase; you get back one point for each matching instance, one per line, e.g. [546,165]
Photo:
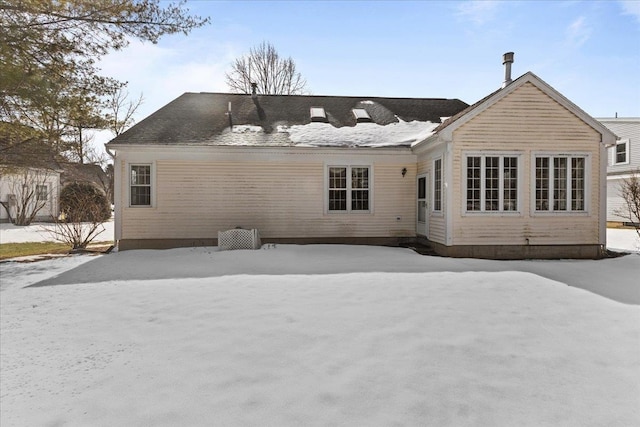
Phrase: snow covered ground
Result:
[37,232]
[319,335]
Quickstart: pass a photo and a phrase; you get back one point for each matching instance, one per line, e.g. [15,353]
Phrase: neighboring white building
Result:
[623,160]
[29,181]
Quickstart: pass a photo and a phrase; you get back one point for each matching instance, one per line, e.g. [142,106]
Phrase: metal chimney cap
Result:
[507,58]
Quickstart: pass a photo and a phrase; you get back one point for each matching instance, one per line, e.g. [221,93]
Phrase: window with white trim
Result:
[621,152]
[437,185]
[42,192]
[349,189]
[140,185]
[492,183]
[560,183]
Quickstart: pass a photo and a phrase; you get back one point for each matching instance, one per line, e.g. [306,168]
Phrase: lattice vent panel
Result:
[238,239]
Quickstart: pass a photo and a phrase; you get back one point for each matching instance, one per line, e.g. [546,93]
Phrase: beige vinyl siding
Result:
[437,222]
[196,199]
[437,229]
[527,121]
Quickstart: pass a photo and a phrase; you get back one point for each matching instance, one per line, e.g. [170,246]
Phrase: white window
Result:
[437,185]
[349,189]
[560,182]
[492,183]
[140,185]
[42,193]
[621,152]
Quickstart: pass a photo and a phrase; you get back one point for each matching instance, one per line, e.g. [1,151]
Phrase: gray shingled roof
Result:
[202,118]
[28,154]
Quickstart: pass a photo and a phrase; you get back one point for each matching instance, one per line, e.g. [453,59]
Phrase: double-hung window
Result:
[349,189]
[560,183]
[491,183]
[621,152]
[140,185]
[42,193]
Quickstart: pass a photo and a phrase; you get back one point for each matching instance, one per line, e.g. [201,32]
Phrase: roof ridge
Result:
[323,96]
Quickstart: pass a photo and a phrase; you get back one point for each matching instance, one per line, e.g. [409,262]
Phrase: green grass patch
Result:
[13,250]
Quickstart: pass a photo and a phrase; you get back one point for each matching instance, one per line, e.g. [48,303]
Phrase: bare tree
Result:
[120,110]
[84,209]
[264,66]
[77,234]
[29,192]
[630,192]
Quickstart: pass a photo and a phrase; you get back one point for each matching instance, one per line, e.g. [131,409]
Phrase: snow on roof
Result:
[246,128]
[361,135]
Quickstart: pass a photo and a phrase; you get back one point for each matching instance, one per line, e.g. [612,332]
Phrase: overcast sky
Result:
[588,50]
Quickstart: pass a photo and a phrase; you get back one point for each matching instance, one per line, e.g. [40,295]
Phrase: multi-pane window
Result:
[492,183]
[140,185]
[577,183]
[473,183]
[560,183]
[437,185]
[621,153]
[349,189]
[42,192]
[510,183]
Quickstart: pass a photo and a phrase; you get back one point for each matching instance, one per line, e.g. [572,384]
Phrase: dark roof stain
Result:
[203,118]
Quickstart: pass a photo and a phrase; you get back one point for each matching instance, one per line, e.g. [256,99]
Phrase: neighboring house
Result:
[87,173]
[29,181]
[623,161]
[519,174]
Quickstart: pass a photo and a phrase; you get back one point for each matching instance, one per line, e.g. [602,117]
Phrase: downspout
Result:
[106,148]
[117,196]
[603,196]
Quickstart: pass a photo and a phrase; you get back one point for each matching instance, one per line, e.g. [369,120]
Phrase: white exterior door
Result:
[422,217]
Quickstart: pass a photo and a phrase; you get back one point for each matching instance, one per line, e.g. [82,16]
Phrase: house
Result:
[520,173]
[623,161]
[29,182]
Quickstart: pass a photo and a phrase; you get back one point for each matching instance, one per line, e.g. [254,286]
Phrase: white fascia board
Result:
[427,144]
